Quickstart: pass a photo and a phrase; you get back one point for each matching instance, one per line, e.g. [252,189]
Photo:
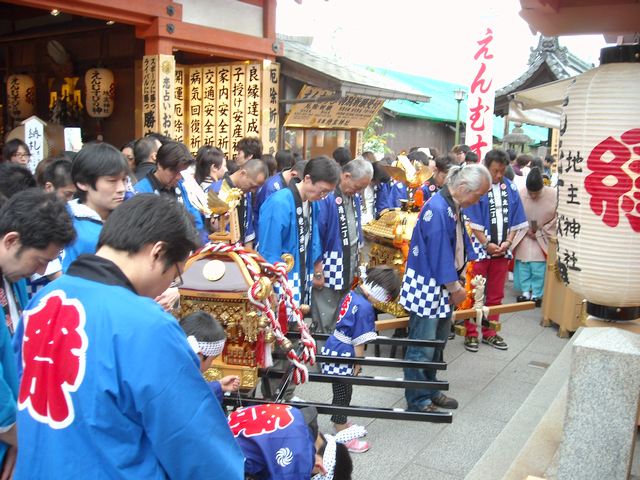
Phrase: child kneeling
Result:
[207,337]
[355,327]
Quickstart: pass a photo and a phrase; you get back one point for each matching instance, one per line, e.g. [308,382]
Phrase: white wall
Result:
[231,15]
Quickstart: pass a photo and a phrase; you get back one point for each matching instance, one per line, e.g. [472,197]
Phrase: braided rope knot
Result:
[260,297]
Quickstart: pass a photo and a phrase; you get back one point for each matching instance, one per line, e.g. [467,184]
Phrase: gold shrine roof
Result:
[236,277]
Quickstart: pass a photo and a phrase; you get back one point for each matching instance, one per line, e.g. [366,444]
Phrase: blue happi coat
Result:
[145,186]
[275,440]
[88,225]
[271,185]
[111,389]
[388,195]
[429,189]
[431,261]
[356,325]
[279,233]
[8,384]
[332,243]
[480,218]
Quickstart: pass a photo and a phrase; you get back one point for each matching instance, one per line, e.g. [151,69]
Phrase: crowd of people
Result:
[98,378]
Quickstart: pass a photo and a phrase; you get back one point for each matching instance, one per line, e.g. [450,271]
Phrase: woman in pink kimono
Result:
[531,245]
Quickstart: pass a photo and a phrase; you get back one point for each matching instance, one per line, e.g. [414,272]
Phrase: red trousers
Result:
[495,271]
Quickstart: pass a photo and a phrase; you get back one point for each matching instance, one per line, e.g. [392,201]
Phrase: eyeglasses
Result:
[22,155]
[180,281]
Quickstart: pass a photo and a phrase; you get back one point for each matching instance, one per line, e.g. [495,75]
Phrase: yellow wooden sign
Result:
[350,112]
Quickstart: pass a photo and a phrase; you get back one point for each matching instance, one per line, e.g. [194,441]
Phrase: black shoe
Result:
[538,301]
[452,335]
[471,344]
[496,341]
[521,298]
[443,401]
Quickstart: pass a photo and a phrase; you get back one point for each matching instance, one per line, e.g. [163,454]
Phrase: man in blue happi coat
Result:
[437,255]
[166,179]
[110,387]
[34,226]
[248,178]
[339,221]
[495,220]
[288,225]
[99,172]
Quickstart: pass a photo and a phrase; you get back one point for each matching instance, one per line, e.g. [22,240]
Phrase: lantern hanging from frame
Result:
[599,186]
[100,92]
[21,96]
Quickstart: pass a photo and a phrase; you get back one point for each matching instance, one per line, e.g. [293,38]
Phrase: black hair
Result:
[130,144]
[536,162]
[386,277]
[144,148]
[40,218]
[534,180]
[322,169]
[250,146]
[509,173]
[284,159]
[174,156]
[14,178]
[344,465]
[58,173]
[159,136]
[96,160]
[203,326]
[444,162]
[299,167]
[369,155]
[146,219]
[549,159]
[512,154]
[11,147]
[419,156]
[461,149]
[207,157]
[496,155]
[380,175]
[523,159]
[342,155]
[270,161]
[471,157]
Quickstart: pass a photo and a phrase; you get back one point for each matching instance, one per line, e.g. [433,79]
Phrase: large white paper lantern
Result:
[21,96]
[599,186]
[100,92]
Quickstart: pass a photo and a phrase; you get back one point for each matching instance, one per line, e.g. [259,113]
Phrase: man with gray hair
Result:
[340,227]
[431,283]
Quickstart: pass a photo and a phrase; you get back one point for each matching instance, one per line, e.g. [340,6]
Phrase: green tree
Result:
[374,141]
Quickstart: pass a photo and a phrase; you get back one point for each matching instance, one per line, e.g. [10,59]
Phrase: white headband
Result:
[329,456]
[208,349]
[377,292]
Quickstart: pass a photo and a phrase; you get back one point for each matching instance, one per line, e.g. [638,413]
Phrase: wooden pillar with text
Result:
[225,102]
[158,95]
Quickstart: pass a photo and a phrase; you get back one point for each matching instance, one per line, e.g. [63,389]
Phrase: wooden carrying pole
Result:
[403,322]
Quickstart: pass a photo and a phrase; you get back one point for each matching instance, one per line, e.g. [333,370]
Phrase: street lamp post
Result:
[458,94]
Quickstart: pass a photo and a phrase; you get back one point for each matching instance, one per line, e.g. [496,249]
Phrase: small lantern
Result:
[21,96]
[599,186]
[100,92]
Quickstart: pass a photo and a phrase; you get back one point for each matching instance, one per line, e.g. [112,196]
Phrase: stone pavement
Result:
[489,385]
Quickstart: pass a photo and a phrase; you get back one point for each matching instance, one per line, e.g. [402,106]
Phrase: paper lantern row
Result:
[100,94]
